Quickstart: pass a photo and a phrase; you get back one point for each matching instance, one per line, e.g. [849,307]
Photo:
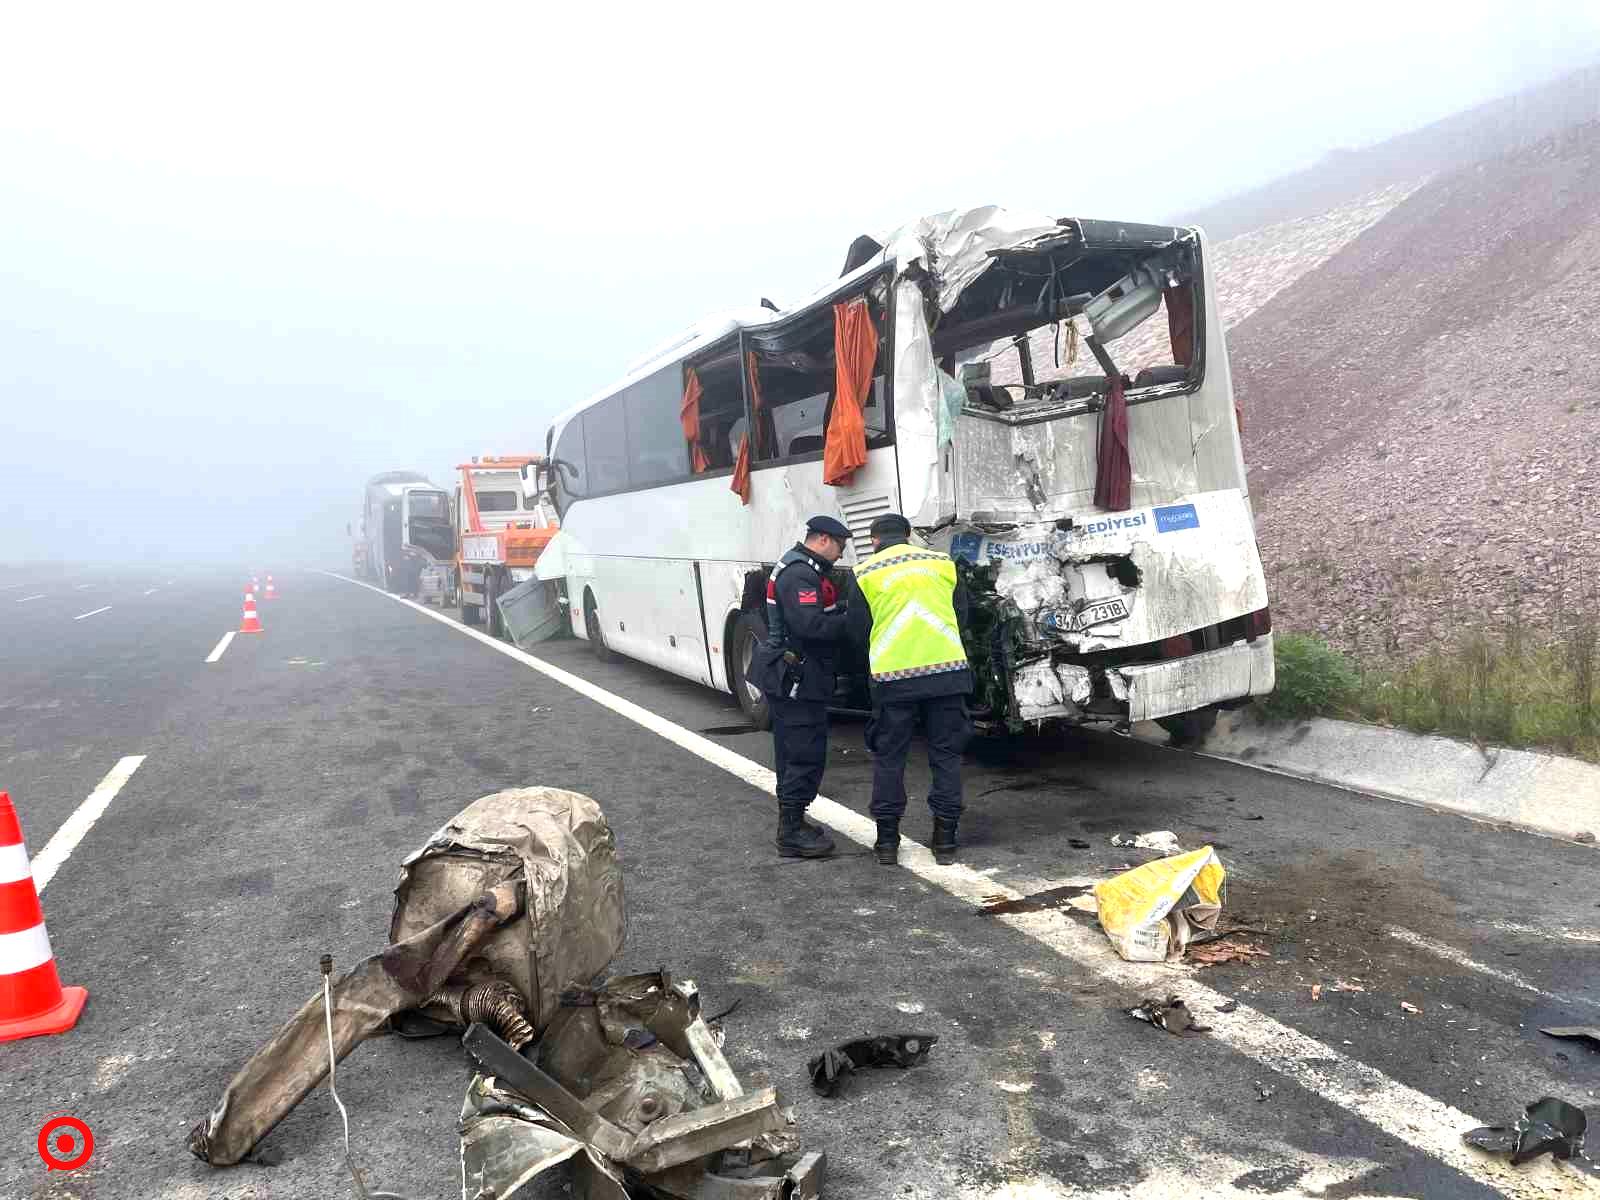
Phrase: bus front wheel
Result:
[593,630]
[748,633]
[1190,728]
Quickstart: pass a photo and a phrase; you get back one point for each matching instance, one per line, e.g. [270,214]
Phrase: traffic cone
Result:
[32,1000]
[251,622]
[272,592]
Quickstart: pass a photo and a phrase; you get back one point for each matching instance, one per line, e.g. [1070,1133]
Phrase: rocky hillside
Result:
[1422,404]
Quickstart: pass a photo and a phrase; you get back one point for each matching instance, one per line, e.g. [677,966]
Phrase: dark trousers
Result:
[948,728]
[800,746]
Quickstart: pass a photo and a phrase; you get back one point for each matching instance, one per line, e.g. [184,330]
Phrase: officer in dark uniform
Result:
[796,668]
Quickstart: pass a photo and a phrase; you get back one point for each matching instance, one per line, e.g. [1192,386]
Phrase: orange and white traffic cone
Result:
[272,592]
[251,622]
[32,1000]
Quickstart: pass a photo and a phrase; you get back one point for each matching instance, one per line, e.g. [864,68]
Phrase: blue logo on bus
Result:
[967,545]
[1176,516]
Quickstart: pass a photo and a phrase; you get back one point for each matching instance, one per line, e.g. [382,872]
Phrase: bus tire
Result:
[1190,728]
[749,631]
[592,629]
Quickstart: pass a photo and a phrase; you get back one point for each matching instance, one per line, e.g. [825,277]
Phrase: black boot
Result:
[798,838]
[944,840]
[887,847]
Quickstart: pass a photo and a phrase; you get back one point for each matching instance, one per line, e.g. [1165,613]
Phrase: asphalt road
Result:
[282,785]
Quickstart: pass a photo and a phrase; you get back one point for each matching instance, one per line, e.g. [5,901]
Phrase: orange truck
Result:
[500,533]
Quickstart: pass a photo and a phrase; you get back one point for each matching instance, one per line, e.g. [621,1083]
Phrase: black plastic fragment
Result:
[1170,1014]
[1547,1126]
[831,1068]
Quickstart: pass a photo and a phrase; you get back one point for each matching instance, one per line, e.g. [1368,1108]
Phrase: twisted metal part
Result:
[496,1004]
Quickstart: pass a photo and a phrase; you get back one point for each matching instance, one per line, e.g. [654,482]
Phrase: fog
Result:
[252,257]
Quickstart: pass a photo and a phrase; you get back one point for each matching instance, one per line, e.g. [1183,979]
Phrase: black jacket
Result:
[806,617]
[918,687]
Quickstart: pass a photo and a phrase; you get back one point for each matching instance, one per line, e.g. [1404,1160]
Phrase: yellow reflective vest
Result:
[914,629]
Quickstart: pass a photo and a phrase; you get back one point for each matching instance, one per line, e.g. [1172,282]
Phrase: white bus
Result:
[993,374]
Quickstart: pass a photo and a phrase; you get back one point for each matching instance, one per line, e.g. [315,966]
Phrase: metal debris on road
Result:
[1263,1092]
[1163,840]
[1547,1126]
[1580,1033]
[1152,912]
[1407,1006]
[1170,1014]
[831,1068]
[519,895]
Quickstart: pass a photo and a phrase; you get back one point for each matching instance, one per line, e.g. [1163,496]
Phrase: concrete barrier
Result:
[1542,792]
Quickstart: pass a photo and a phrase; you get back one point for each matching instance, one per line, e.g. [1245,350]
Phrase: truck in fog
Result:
[407,543]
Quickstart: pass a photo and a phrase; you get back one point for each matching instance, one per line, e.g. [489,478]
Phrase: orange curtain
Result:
[855,350]
[689,418]
[741,470]
[757,407]
[741,467]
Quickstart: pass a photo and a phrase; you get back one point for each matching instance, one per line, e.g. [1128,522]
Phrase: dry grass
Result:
[1492,680]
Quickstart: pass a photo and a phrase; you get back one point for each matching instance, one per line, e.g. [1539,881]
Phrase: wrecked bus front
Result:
[1087,473]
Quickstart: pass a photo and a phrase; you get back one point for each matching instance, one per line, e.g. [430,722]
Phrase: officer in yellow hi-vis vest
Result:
[911,624]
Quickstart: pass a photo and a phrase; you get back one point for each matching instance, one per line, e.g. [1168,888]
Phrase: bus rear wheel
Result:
[593,630]
[748,633]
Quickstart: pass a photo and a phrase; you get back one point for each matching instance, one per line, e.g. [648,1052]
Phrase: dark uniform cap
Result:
[890,525]
[828,526]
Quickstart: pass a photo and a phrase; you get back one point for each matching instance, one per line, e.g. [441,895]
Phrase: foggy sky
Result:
[253,256]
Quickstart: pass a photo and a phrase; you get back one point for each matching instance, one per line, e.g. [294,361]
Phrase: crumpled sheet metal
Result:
[660,1143]
[281,1073]
[630,1072]
[542,859]
[573,921]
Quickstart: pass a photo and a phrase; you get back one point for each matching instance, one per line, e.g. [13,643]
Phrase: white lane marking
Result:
[1427,1125]
[25,599]
[92,612]
[81,586]
[151,591]
[1451,954]
[1559,933]
[65,840]
[24,950]
[221,646]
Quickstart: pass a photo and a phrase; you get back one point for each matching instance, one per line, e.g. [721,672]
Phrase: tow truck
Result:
[500,532]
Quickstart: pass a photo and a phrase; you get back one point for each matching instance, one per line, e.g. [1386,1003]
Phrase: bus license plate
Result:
[1101,611]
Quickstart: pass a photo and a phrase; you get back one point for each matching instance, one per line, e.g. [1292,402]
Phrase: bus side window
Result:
[794,374]
[657,452]
[721,404]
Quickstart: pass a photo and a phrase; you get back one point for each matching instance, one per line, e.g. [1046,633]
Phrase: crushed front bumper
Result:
[1185,684]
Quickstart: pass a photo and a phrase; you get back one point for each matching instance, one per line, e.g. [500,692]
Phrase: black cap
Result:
[890,525]
[827,525]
